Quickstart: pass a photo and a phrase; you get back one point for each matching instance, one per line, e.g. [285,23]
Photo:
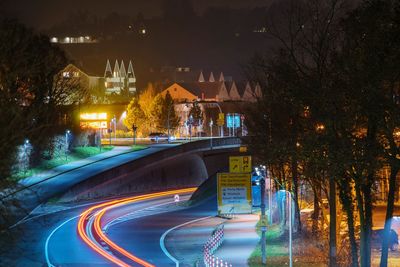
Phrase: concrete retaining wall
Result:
[182,166]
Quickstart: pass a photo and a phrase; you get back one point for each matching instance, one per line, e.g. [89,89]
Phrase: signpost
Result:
[234,193]
[220,123]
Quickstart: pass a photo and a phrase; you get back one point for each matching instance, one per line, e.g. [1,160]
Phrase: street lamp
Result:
[67,132]
[263,227]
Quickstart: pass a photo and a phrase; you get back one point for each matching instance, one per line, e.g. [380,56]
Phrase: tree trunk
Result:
[332,222]
[347,201]
[360,204]
[316,210]
[389,214]
[368,223]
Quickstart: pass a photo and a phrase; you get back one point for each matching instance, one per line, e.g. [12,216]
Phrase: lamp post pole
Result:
[211,133]
[290,229]
[26,143]
[263,227]
[115,127]
[66,144]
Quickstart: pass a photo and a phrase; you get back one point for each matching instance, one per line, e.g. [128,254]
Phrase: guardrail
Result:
[212,244]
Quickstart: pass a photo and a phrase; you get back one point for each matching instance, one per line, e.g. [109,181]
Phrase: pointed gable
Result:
[131,73]
[221,77]
[108,71]
[248,94]
[201,77]
[116,69]
[179,93]
[122,70]
[222,93]
[211,79]
[234,93]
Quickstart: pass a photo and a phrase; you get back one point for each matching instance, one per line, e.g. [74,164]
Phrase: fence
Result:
[212,244]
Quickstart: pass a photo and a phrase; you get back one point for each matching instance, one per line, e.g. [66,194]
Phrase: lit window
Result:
[66,74]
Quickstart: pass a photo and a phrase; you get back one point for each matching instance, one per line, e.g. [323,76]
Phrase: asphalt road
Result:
[52,239]
[142,235]
[28,199]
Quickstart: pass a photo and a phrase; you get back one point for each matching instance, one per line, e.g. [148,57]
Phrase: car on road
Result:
[158,137]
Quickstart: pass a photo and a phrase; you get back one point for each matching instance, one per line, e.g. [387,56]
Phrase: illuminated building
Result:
[119,80]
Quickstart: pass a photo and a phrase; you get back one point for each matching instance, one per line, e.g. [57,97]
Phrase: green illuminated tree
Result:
[135,117]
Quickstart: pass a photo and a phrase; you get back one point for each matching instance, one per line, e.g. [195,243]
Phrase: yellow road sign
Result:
[240,164]
[246,166]
[221,116]
[234,193]
[263,220]
[220,122]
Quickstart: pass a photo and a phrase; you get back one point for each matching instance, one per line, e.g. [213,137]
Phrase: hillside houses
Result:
[211,89]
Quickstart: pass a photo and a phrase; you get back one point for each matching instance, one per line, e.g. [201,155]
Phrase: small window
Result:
[175,89]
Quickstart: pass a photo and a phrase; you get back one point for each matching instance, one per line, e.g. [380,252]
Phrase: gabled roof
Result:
[211,79]
[206,90]
[122,70]
[116,69]
[108,71]
[201,77]
[233,92]
[131,73]
[221,77]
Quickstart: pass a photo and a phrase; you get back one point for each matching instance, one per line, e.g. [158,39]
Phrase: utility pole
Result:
[211,133]
[263,227]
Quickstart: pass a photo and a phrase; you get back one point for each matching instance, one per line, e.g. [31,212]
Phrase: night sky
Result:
[43,14]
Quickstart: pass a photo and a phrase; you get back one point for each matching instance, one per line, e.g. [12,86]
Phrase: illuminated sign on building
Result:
[93,116]
[93,120]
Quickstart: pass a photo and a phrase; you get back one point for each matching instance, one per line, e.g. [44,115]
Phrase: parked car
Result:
[158,137]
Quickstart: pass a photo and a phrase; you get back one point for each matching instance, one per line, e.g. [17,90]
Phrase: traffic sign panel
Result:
[234,193]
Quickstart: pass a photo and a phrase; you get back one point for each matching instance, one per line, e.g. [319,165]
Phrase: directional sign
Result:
[240,164]
[246,166]
[234,193]
[235,164]
[221,116]
[220,122]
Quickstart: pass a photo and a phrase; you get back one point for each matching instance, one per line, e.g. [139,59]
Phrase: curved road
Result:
[53,239]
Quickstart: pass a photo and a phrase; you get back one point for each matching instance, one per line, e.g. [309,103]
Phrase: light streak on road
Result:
[95,213]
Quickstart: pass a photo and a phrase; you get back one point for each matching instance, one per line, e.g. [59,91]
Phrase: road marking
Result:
[162,239]
[46,246]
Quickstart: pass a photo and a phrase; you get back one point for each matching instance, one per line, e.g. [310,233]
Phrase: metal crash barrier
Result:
[212,244]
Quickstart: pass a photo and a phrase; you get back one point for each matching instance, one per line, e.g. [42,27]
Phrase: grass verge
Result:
[77,153]
[305,253]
